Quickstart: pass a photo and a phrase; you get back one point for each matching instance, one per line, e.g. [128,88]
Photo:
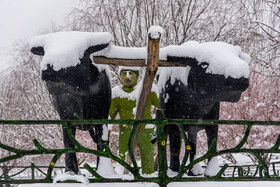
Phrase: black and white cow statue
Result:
[215,72]
[80,90]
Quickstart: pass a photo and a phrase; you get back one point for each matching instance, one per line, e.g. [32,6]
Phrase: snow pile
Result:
[105,168]
[172,184]
[105,133]
[197,169]
[174,73]
[119,92]
[171,173]
[123,52]
[155,32]
[212,167]
[127,53]
[124,184]
[224,59]
[66,176]
[64,49]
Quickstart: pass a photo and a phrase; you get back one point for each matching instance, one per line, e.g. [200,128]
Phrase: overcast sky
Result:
[23,19]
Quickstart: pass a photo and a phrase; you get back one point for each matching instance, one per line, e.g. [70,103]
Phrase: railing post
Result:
[161,144]
[32,171]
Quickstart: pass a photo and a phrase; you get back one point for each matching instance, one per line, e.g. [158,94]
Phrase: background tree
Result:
[253,25]
[23,96]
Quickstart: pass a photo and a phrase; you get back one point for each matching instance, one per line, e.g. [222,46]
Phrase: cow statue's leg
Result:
[100,142]
[70,158]
[192,137]
[97,107]
[175,146]
[69,108]
[96,136]
[212,166]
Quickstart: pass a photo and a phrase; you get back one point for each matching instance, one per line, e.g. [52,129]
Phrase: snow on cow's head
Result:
[215,57]
[217,71]
[66,64]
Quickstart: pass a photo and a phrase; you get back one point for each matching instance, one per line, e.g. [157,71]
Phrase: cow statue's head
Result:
[66,65]
[217,71]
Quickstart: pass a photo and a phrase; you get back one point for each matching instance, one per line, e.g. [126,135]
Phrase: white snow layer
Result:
[123,52]
[128,68]
[65,177]
[105,133]
[173,184]
[197,169]
[174,73]
[223,58]
[155,32]
[212,167]
[64,49]
[142,184]
[105,168]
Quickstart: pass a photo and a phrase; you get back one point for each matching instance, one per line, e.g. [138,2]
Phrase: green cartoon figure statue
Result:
[124,102]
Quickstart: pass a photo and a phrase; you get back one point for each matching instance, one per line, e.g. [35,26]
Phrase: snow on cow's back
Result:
[223,58]
[64,49]
[174,73]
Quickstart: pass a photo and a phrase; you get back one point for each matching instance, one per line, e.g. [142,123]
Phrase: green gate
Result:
[262,171]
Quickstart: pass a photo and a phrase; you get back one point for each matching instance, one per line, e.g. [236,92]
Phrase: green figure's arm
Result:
[155,100]
[114,108]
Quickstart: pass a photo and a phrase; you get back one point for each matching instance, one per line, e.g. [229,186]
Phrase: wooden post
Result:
[151,70]
[152,66]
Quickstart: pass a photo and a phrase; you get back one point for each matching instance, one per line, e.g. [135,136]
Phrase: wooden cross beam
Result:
[152,65]
[133,62]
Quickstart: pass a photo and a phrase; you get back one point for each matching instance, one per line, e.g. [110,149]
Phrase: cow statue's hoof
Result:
[196,170]
[171,173]
[212,168]
[105,167]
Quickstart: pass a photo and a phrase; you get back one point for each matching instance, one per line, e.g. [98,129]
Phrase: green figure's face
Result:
[129,78]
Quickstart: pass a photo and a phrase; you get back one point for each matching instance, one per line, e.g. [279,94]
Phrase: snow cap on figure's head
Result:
[123,68]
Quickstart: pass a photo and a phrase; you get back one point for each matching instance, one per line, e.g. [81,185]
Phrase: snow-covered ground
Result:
[242,160]
[175,184]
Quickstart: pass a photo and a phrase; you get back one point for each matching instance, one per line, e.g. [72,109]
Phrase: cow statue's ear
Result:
[204,65]
[183,60]
[38,51]
[93,49]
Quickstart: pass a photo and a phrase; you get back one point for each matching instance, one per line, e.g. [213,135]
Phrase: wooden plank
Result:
[132,62]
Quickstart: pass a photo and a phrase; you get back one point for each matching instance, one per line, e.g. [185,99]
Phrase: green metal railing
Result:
[34,169]
[262,170]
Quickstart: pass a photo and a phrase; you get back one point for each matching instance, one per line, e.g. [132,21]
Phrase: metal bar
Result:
[32,171]
[152,121]
[161,144]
